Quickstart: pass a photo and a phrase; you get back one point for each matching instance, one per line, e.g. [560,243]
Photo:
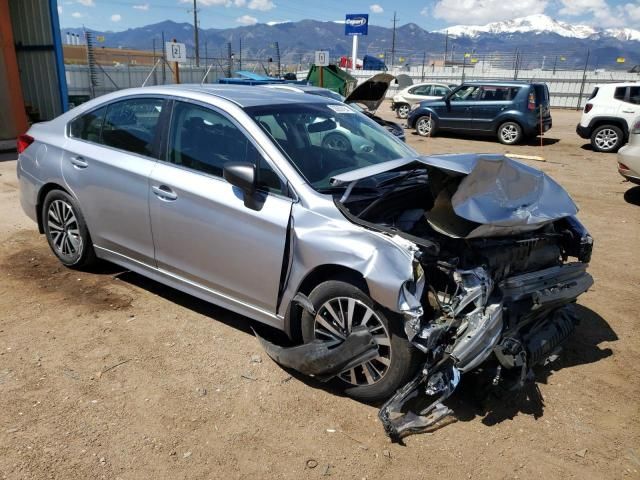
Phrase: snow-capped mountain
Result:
[540,23]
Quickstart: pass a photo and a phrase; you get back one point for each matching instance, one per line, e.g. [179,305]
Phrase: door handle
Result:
[79,162]
[164,193]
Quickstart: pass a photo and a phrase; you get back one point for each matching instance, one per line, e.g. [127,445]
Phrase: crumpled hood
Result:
[371,92]
[486,195]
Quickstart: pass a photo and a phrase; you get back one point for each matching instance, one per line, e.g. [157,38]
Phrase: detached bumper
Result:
[583,132]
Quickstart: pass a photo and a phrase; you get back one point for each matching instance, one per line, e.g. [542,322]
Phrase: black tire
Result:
[607,138]
[403,357]
[77,250]
[402,110]
[510,133]
[425,126]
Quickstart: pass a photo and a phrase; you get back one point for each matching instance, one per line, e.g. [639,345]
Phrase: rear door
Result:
[629,103]
[492,101]
[107,161]
[203,230]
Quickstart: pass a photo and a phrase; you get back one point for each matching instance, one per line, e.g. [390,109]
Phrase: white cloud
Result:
[77,15]
[602,13]
[143,6]
[239,3]
[87,3]
[277,22]
[116,17]
[262,5]
[375,8]
[247,20]
[473,12]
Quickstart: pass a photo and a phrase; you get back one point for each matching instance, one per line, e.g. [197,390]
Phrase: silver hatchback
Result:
[378,261]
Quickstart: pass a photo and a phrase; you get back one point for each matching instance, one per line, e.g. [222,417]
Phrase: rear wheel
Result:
[403,110]
[340,307]
[510,133]
[607,138]
[66,230]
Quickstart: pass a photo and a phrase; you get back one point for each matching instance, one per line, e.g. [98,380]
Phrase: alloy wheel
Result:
[606,139]
[424,126]
[64,230]
[509,133]
[336,318]
[403,111]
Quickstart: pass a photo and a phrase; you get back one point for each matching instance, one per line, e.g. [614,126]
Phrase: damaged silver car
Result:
[396,273]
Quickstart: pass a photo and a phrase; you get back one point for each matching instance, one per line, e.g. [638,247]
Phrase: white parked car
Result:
[608,115]
[629,155]
[414,94]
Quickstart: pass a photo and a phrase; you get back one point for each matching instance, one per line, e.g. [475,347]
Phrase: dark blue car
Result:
[511,110]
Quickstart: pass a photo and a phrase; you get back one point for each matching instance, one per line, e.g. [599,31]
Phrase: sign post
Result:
[356,24]
[322,60]
[176,53]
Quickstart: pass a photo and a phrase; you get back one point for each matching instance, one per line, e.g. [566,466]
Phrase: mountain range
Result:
[533,36]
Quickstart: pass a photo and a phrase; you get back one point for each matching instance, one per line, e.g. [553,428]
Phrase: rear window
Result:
[634,95]
[499,93]
[88,126]
[542,94]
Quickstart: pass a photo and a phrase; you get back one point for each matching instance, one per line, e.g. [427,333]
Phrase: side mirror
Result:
[241,175]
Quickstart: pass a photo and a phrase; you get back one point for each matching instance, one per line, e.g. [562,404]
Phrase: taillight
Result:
[24,141]
[532,101]
[622,166]
[588,107]
[636,128]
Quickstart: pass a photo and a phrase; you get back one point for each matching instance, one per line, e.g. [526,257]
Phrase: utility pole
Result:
[278,57]
[240,55]
[393,40]
[195,31]
[424,58]
[446,47]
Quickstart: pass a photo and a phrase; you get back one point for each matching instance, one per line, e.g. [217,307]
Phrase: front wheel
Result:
[425,126]
[510,133]
[340,307]
[403,110]
[66,230]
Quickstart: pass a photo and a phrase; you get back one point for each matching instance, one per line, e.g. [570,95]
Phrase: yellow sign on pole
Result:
[401,59]
[381,55]
[467,55]
[474,60]
[562,59]
[621,60]
[100,38]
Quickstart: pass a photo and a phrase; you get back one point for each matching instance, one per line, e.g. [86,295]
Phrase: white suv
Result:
[609,114]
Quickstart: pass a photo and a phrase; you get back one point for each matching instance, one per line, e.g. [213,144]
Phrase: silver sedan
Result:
[376,260]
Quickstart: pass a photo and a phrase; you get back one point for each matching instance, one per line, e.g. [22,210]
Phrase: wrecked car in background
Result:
[397,273]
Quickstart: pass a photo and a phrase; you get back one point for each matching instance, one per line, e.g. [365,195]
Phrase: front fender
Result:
[421,112]
[384,262]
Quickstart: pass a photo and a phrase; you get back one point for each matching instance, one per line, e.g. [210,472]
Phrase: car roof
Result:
[511,83]
[630,83]
[241,95]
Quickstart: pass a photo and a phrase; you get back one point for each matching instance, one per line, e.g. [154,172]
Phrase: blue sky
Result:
[429,14]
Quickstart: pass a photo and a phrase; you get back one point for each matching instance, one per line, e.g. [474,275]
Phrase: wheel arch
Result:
[315,277]
[501,121]
[42,193]
[615,121]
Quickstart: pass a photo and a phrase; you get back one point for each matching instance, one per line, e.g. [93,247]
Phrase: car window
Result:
[498,93]
[324,140]
[438,91]
[421,90]
[88,126]
[204,140]
[131,125]
[634,95]
[466,93]
[620,93]
[594,93]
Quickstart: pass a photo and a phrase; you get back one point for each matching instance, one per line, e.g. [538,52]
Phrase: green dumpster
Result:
[333,78]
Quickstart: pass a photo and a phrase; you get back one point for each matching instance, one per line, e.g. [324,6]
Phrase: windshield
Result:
[325,140]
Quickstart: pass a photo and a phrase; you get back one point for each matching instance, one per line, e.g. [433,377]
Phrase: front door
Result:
[457,114]
[107,162]
[203,230]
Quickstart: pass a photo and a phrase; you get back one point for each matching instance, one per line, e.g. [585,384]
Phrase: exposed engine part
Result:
[543,341]
[439,383]
[316,359]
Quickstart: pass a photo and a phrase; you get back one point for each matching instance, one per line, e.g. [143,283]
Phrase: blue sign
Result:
[356,24]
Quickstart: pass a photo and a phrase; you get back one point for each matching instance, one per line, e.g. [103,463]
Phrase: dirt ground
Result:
[111,375]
